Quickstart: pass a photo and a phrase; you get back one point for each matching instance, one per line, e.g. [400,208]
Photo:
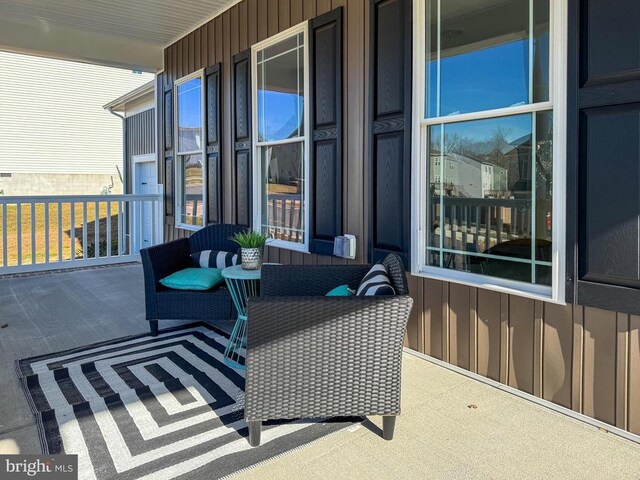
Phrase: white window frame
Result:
[557,103]
[257,163]
[179,170]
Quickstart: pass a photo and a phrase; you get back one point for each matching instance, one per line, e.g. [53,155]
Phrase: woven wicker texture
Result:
[162,260]
[316,356]
[312,281]
[397,274]
[215,237]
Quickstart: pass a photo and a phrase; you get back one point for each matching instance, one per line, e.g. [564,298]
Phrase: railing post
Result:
[487,245]
[153,222]
[125,213]
[141,227]
[96,233]
[33,233]
[73,230]
[108,237]
[46,232]
[5,247]
[19,231]
[478,224]
[283,218]
[84,230]
[60,232]
[132,207]
[120,226]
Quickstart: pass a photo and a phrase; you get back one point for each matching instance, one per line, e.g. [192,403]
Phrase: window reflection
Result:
[189,165]
[484,205]
[192,190]
[190,116]
[281,90]
[486,55]
[283,192]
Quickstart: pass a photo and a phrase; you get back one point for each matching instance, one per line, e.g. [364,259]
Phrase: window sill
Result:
[510,287]
[288,246]
[191,228]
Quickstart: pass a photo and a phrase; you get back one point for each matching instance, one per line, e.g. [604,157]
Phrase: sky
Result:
[281,115]
[485,79]
[190,103]
[281,118]
[482,79]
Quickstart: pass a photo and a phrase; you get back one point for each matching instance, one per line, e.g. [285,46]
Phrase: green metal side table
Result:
[242,284]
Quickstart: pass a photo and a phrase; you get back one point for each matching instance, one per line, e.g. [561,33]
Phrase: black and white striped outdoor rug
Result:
[154,407]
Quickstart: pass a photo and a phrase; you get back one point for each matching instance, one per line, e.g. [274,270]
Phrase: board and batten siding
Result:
[232,32]
[52,116]
[582,358]
[141,139]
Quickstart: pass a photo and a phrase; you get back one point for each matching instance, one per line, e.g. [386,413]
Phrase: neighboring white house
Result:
[55,135]
[470,177]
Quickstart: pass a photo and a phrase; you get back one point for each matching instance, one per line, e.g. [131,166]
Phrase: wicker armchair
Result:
[161,260]
[309,355]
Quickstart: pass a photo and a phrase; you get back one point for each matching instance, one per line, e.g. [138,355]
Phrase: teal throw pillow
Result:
[193,279]
[341,291]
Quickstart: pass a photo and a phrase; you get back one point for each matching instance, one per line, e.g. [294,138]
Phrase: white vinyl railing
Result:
[51,232]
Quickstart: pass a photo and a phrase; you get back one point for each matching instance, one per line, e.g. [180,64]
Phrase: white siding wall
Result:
[51,116]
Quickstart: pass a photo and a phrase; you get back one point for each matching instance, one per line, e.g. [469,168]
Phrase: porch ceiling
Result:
[122,33]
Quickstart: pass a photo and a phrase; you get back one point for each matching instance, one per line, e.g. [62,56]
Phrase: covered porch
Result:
[451,426]
[507,372]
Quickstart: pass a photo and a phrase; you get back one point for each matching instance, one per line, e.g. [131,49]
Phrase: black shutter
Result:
[325,70]
[604,155]
[214,136]
[242,136]
[390,129]
[168,154]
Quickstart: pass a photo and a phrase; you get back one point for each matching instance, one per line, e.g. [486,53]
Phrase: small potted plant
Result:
[251,248]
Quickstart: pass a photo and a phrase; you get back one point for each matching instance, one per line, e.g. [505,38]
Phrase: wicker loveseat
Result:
[161,260]
[309,355]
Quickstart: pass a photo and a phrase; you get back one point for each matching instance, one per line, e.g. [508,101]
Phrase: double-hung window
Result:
[190,165]
[489,159]
[281,156]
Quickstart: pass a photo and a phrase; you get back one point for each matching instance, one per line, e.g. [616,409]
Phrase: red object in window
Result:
[549,221]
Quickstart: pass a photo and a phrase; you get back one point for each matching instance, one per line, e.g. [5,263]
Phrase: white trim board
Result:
[139,92]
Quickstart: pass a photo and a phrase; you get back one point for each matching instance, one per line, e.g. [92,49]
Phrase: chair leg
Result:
[255,427]
[153,324]
[388,426]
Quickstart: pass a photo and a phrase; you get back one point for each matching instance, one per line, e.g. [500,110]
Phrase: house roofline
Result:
[141,91]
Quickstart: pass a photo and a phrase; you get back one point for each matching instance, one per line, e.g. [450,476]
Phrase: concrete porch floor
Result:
[438,435]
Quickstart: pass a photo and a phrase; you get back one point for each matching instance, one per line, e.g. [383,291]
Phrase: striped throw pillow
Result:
[376,282]
[214,259]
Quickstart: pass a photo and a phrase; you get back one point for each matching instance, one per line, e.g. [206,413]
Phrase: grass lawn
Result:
[68,244]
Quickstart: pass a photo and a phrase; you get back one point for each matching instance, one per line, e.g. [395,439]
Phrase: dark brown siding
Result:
[582,358]
[141,139]
[237,29]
